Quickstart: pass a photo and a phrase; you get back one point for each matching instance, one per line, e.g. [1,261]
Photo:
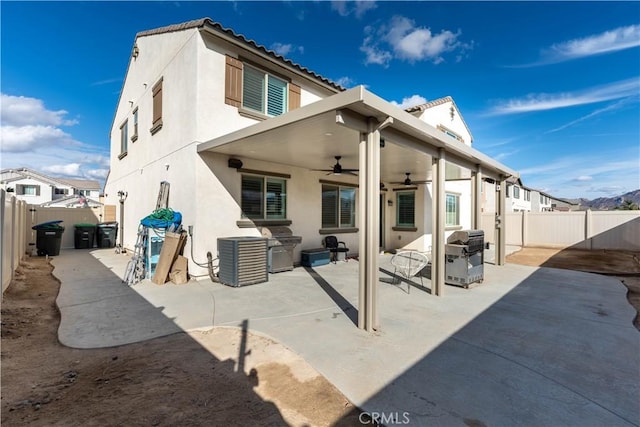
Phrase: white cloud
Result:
[21,111]
[358,7]
[99,174]
[575,176]
[545,101]
[281,49]
[403,40]
[410,101]
[70,169]
[612,107]
[21,139]
[106,81]
[31,136]
[373,54]
[344,81]
[609,41]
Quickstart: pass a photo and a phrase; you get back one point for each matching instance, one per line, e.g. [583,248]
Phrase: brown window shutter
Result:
[19,189]
[233,82]
[157,107]
[37,190]
[294,96]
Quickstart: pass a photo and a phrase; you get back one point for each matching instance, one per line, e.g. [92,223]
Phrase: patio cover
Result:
[352,124]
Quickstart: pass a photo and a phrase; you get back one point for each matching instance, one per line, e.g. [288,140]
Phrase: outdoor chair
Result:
[333,244]
[408,264]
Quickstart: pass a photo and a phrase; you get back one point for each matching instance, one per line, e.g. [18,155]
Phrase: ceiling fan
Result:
[408,181]
[337,169]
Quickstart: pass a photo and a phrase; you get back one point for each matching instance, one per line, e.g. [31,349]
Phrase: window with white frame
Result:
[452,213]
[263,92]
[124,137]
[405,209]
[28,190]
[134,137]
[527,195]
[338,206]
[516,192]
[264,197]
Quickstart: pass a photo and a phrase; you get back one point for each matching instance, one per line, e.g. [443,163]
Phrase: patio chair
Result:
[408,264]
[333,244]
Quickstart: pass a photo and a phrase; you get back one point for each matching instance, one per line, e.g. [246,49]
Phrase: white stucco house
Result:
[520,198]
[39,189]
[248,139]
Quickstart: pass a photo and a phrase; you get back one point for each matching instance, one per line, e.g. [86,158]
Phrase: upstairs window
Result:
[516,192]
[124,138]
[405,209]
[527,195]
[254,90]
[338,206]
[264,197]
[134,137]
[156,123]
[263,92]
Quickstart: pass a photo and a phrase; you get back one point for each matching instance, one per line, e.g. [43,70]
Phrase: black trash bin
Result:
[48,238]
[84,235]
[107,233]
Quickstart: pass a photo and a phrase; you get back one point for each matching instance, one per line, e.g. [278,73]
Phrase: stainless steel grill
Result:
[281,242]
[464,256]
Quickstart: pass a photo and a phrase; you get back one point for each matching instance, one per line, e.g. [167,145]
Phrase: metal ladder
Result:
[135,271]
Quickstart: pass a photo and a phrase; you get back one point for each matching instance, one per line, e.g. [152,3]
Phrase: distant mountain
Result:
[609,203]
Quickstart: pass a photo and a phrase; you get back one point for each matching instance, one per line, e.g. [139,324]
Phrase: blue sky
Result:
[552,90]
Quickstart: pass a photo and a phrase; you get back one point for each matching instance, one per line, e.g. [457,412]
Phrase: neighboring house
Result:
[248,139]
[37,189]
[520,198]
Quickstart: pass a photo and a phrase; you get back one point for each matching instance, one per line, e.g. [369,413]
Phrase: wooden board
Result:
[179,274]
[172,246]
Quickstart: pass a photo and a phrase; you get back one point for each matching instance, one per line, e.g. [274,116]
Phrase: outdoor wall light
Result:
[122,196]
[389,202]
[235,163]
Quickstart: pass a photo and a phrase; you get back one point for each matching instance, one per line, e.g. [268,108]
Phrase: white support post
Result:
[501,217]
[476,201]
[369,237]
[437,226]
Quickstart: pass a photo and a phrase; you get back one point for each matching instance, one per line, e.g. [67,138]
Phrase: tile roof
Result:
[212,25]
[82,184]
[429,104]
[435,103]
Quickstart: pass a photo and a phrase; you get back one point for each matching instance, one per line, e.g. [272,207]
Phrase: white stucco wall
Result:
[421,239]
[202,188]
[441,115]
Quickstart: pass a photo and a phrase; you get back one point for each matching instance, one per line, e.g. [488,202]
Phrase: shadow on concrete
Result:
[342,303]
[170,366]
[397,280]
[569,358]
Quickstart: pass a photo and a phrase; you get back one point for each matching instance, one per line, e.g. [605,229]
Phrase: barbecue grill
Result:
[464,255]
[281,242]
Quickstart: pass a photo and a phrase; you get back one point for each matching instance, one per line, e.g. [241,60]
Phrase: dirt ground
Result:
[623,265]
[224,376]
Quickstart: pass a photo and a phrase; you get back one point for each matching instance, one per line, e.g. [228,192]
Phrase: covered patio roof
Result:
[310,137]
[353,124]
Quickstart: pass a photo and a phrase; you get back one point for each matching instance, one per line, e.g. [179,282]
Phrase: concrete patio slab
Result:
[528,346]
